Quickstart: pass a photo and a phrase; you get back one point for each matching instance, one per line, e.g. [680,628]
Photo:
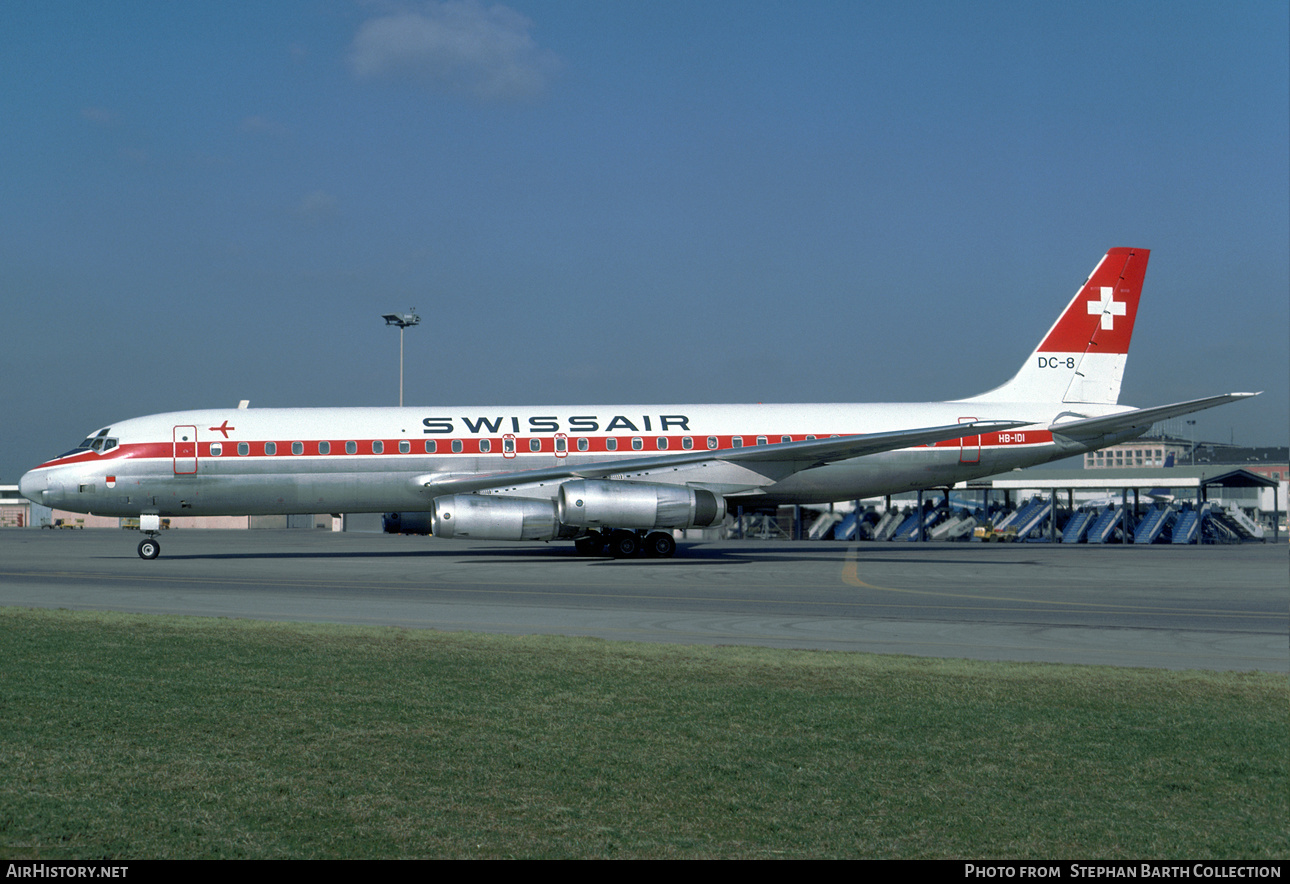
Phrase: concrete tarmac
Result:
[1212,607]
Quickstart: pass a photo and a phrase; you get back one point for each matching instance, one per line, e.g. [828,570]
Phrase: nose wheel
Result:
[149,547]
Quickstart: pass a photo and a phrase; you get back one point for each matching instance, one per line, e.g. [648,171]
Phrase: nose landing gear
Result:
[150,525]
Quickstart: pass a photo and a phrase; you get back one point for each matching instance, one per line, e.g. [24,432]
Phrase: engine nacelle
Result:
[602,503]
[483,517]
[406,523]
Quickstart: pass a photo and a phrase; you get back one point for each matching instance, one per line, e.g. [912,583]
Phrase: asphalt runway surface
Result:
[1211,607]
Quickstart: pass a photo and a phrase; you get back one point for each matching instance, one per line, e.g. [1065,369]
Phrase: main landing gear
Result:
[149,547]
[626,544]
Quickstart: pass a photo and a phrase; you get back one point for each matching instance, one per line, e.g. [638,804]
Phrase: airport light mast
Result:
[402,320]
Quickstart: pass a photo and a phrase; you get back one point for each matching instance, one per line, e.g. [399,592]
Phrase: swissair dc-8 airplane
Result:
[615,479]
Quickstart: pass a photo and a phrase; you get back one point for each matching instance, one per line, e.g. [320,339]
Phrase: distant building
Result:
[1272,462]
[1144,452]
[15,511]
[1269,461]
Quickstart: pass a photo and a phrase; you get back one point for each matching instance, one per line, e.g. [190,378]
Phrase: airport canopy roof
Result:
[1159,477]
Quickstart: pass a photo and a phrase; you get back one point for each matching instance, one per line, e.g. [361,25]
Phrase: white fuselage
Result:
[297,460]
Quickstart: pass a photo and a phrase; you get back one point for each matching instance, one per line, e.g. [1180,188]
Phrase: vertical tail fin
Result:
[1082,358]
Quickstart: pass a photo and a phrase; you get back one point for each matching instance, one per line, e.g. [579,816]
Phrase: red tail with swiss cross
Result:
[1082,358]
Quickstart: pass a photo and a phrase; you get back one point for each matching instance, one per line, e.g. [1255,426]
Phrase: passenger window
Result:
[583,445]
[687,443]
[810,438]
[786,438]
[405,447]
[736,441]
[561,443]
[712,443]
[456,446]
[611,444]
[661,442]
[761,440]
[508,445]
[243,449]
[378,447]
[216,449]
[637,444]
[351,448]
[324,448]
[431,448]
[270,448]
[485,446]
[297,448]
[535,445]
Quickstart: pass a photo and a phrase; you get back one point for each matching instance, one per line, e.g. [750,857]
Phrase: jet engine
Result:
[483,517]
[599,503]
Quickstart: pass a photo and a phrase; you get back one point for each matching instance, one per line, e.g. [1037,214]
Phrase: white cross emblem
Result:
[1107,307]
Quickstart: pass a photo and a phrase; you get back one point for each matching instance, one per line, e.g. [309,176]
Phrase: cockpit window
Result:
[98,442]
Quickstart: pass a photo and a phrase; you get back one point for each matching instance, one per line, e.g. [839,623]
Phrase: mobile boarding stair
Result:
[1188,527]
[827,525]
[1154,523]
[1103,529]
[887,525]
[1239,522]
[908,529]
[845,529]
[954,528]
[1077,526]
[1026,519]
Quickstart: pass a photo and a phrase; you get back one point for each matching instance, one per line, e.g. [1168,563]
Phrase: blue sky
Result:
[607,202]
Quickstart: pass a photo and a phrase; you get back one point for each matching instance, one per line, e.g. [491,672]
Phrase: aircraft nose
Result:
[32,484]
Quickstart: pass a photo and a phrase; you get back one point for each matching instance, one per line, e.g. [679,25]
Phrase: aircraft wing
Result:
[778,459]
[1091,428]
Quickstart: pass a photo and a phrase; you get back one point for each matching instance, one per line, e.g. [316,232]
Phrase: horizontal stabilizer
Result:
[1139,419]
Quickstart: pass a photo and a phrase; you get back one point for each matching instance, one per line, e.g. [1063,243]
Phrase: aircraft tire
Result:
[624,544]
[149,548]
[660,545]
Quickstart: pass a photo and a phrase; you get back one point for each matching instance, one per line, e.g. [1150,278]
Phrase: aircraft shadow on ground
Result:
[686,555]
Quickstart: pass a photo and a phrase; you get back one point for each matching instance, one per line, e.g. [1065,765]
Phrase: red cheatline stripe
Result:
[471,445]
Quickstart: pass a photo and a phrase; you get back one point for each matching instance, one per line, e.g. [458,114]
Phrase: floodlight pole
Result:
[402,320]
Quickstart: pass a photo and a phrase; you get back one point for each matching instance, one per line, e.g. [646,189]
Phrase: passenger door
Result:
[185,454]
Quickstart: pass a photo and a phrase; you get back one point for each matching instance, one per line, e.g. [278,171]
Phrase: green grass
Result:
[136,737]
